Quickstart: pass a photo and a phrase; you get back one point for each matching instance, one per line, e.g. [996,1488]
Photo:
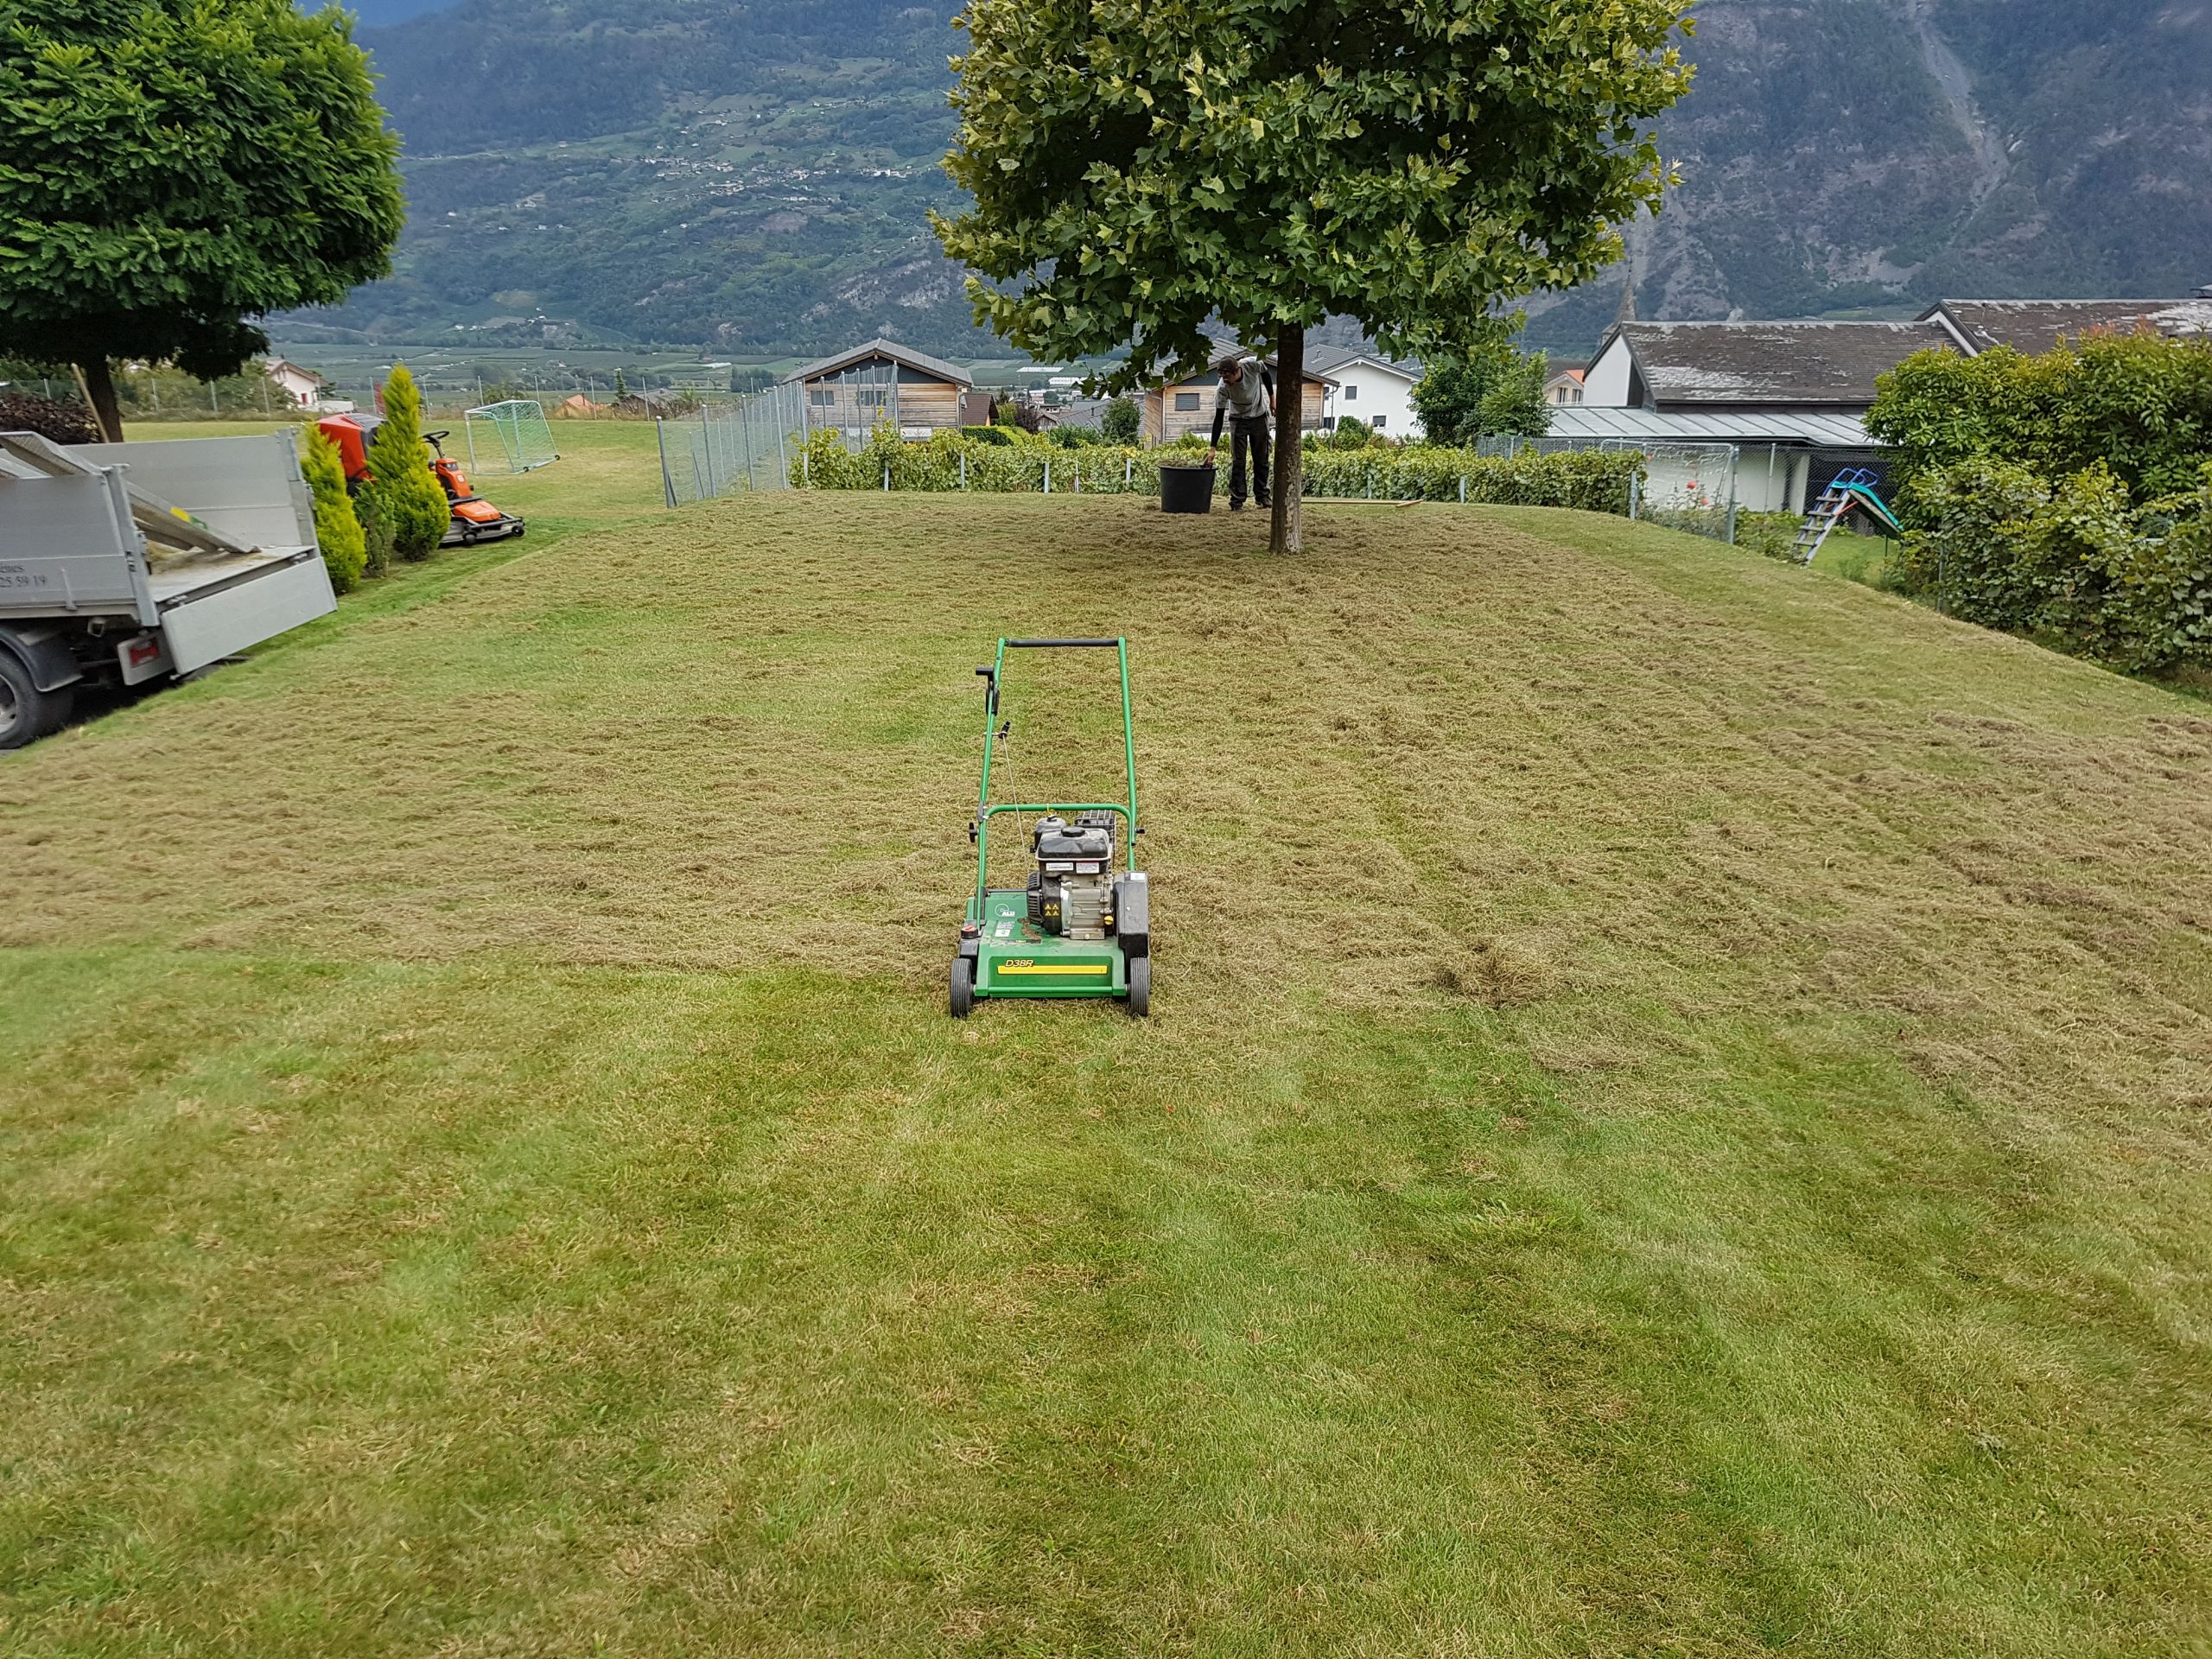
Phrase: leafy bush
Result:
[2139,404]
[1351,433]
[337,529]
[410,501]
[1122,420]
[24,411]
[989,434]
[2077,565]
[1073,438]
[1969,562]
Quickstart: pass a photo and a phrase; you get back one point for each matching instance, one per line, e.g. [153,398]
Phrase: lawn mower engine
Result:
[1071,889]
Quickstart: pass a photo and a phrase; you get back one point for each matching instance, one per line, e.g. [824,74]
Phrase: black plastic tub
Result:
[1186,488]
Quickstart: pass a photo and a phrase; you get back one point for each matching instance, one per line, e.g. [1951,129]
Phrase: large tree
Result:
[171,170]
[1139,166]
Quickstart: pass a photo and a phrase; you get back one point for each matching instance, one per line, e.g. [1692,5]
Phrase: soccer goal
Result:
[515,429]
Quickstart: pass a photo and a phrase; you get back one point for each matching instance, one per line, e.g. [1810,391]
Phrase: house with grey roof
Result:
[1367,386]
[1791,395]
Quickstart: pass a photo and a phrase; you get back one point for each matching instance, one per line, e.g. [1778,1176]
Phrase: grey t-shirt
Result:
[1247,398]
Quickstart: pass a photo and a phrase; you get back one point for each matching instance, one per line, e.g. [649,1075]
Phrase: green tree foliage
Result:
[2138,404]
[1490,391]
[1351,433]
[410,501]
[171,170]
[337,529]
[1138,171]
[1122,420]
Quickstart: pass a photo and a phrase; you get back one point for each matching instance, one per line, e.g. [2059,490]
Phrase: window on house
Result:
[821,396]
[872,397]
[1186,400]
[1380,422]
[1351,394]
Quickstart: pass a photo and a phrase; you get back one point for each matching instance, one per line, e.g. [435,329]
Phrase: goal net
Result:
[515,430]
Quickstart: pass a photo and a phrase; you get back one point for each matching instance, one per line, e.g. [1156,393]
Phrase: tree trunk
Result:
[99,392]
[1284,534]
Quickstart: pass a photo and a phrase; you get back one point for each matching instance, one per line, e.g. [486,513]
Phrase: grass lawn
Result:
[1675,1120]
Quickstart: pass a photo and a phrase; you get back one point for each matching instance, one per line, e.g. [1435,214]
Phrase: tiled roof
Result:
[1772,362]
[2038,326]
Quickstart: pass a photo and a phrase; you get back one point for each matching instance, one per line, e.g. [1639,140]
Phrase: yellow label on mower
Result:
[1026,966]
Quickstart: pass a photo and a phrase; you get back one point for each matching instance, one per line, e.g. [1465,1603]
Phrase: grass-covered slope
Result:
[1674,1120]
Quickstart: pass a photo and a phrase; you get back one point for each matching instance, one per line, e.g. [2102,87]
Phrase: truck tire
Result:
[27,713]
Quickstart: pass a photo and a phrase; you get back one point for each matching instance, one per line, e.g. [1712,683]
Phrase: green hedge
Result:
[2075,564]
[1595,482]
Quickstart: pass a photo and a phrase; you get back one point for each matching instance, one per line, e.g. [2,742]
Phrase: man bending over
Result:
[1246,397]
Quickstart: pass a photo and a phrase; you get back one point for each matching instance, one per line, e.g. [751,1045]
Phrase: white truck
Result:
[125,562]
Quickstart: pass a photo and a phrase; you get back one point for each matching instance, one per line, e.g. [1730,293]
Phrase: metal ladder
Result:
[1835,505]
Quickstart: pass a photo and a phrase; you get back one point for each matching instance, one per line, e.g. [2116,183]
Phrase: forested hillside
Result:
[754,177]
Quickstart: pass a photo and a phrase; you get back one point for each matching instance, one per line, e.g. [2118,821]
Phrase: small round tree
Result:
[1122,420]
[408,500]
[1138,170]
[171,170]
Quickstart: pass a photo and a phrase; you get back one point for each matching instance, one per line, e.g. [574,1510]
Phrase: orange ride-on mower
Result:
[473,520]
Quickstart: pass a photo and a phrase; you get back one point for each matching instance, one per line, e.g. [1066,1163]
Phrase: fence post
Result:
[1128,463]
[964,469]
[1735,451]
[1048,474]
[887,478]
[667,484]
[1632,493]
[1463,489]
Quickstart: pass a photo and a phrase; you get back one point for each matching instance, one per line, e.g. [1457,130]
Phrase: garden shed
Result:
[883,384]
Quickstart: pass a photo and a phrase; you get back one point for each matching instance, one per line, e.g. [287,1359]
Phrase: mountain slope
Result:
[757,177]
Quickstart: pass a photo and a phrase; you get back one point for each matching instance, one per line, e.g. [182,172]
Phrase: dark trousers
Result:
[1250,435]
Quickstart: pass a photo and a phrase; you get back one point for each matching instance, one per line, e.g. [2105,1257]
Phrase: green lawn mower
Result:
[1078,929]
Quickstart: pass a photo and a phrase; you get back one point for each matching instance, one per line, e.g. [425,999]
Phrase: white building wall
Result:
[1605,385]
[1364,391]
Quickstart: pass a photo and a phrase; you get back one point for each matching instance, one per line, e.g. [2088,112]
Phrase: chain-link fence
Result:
[745,444]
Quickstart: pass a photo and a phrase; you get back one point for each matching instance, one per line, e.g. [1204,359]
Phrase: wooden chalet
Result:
[884,383]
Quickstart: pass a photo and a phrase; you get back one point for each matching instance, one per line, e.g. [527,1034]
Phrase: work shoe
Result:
[1237,507]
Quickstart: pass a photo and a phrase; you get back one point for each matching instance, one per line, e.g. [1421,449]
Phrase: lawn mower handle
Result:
[979,826]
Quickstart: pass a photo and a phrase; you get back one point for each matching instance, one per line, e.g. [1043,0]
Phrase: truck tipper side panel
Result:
[216,619]
[67,548]
[250,490]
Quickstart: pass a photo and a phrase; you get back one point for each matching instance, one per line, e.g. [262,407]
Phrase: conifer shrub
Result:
[337,529]
[410,501]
